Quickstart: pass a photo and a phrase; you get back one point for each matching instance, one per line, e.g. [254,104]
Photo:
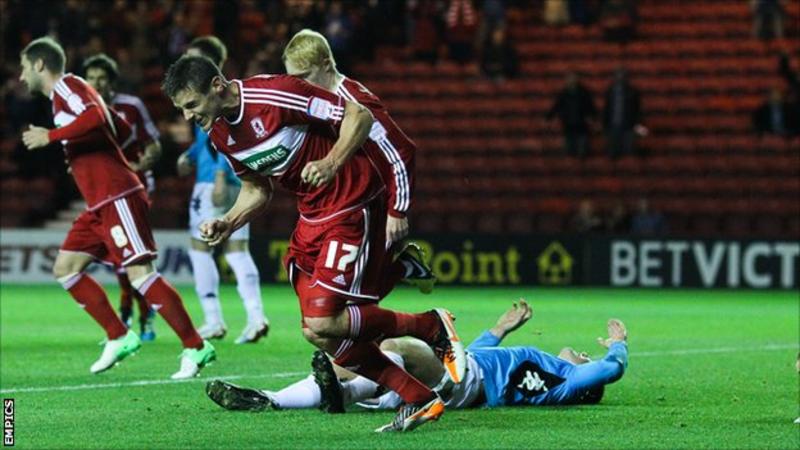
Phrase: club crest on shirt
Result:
[258,127]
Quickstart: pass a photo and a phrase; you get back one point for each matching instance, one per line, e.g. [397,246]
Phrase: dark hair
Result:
[47,50]
[211,47]
[593,395]
[104,62]
[190,72]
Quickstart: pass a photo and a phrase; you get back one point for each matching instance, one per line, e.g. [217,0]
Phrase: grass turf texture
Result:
[738,390]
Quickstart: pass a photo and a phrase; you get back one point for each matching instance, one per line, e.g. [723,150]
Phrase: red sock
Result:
[144,308]
[367,360]
[369,322]
[125,291]
[85,290]
[163,298]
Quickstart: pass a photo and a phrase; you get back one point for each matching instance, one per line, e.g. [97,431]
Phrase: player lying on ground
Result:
[114,228]
[496,376]
[215,188]
[310,141]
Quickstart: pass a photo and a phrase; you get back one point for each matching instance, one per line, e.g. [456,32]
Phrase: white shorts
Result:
[455,396]
[201,209]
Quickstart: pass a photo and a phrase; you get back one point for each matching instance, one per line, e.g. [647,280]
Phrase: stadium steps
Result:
[704,167]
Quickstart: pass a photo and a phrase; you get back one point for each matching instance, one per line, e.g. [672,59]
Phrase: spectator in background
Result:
[618,19]
[499,60]
[583,12]
[768,16]
[575,108]
[338,30]
[461,20]
[424,29]
[775,116]
[618,219]
[646,222]
[586,219]
[555,12]
[622,115]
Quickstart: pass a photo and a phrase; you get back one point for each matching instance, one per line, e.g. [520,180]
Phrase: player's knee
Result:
[325,327]
[64,266]
[390,345]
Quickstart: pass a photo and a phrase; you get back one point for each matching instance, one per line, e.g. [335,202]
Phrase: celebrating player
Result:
[308,55]
[216,186]
[309,140]
[114,226]
[142,151]
[496,376]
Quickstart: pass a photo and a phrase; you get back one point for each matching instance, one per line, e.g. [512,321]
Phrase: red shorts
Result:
[117,233]
[345,256]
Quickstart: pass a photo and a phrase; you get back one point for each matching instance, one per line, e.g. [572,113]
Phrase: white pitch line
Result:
[683,352]
[81,387]
[705,351]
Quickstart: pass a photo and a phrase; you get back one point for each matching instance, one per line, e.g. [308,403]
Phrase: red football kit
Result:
[114,227]
[144,131]
[283,124]
[391,150]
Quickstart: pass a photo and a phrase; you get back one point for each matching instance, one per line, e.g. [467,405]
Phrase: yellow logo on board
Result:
[555,265]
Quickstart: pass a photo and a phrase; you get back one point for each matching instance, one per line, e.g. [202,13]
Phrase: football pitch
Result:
[708,369]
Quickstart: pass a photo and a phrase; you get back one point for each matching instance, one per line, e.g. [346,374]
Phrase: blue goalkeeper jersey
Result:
[527,375]
[208,162]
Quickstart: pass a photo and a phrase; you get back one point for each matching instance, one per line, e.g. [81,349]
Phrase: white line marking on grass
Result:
[80,387]
[704,351]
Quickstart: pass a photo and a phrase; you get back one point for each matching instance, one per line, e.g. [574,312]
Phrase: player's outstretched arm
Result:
[37,137]
[356,123]
[255,194]
[519,313]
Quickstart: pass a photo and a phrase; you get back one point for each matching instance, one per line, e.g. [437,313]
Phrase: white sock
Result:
[206,284]
[303,394]
[248,285]
[359,388]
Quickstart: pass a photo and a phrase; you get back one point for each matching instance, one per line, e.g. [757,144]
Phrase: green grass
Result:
[743,395]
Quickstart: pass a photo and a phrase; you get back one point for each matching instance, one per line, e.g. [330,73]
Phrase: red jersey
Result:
[391,150]
[285,123]
[144,131]
[95,156]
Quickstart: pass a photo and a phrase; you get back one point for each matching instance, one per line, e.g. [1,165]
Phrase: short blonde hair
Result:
[308,49]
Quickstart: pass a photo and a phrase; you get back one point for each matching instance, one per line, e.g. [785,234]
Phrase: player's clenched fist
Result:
[318,172]
[35,137]
[215,231]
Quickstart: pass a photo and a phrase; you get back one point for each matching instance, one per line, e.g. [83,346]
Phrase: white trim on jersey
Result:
[379,136]
[241,104]
[130,226]
[339,291]
[400,175]
[355,321]
[136,102]
[342,211]
[361,262]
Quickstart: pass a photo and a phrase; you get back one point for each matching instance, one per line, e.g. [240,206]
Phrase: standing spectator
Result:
[646,222]
[424,29]
[462,23]
[499,59]
[768,18]
[338,30]
[586,219]
[775,116]
[618,19]
[618,219]
[574,106]
[555,12]
[622,115]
